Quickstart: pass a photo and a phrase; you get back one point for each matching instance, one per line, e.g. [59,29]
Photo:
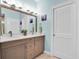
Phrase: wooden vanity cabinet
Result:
[35,47]
[28,48]
[39,45]
[13,50]
[0,54]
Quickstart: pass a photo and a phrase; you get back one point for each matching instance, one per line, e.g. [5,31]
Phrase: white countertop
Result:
[18,37]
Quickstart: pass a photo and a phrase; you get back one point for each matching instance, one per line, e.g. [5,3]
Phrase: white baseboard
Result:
[48,53]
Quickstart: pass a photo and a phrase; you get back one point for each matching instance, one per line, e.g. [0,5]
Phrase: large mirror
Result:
[16,22]
[28,23]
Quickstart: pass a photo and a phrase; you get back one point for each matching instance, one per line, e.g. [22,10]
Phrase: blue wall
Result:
[45,7]
[31,3]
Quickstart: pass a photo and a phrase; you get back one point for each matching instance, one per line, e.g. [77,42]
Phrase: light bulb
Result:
[2,22]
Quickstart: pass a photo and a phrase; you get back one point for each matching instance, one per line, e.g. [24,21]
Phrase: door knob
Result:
[53,34]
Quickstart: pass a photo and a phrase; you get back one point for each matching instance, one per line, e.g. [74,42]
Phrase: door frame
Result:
[52,29]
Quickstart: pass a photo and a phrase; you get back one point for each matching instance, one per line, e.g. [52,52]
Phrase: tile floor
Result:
[45,56]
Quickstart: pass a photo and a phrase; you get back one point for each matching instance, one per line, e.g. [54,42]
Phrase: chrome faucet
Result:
[10,32]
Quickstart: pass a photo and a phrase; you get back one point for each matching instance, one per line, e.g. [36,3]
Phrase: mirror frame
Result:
[18,10]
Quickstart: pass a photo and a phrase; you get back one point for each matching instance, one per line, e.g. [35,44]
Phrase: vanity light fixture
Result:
[13,6]
[2,22]
[31,12]
[5,2]
[28,10]
[36,13]
[20,7]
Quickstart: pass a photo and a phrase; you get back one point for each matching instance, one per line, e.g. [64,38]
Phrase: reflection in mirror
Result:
[11,21]
[25,23]
[32,24]
[16,22]
[2,25]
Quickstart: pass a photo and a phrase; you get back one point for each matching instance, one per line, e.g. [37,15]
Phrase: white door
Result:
[65,31]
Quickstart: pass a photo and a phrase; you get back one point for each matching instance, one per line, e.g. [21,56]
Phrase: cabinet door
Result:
[0,52]
[39,45]
[15,52]
[30,48]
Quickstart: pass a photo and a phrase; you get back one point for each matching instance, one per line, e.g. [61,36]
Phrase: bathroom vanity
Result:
[14,22]
[23,47]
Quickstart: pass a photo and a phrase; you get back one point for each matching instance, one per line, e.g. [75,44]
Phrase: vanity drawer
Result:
[13,43]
